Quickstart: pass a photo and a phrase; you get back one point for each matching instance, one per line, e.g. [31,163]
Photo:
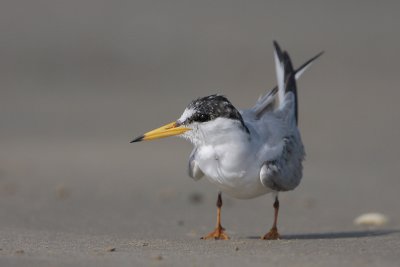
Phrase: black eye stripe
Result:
[199,117]
[203,117]
[211,107]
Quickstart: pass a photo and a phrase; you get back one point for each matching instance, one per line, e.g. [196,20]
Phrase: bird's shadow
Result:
[335,235]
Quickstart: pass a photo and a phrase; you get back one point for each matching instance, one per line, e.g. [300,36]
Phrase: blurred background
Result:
[80,79]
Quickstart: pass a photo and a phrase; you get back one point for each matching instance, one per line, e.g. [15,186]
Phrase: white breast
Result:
[229,157]
[233,169]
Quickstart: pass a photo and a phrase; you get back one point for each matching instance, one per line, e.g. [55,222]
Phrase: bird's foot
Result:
[217,234]
[272,234]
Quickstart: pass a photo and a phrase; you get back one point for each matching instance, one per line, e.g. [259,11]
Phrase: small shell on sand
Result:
[371,219]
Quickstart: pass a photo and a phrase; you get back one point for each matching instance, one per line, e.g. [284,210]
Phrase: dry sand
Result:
[79,81]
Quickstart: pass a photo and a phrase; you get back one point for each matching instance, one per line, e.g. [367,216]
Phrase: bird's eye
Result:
[203,117]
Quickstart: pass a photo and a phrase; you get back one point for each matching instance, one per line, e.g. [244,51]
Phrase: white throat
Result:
[216,132]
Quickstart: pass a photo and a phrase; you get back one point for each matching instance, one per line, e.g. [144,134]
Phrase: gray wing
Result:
[265,103]
[285,171]
[194,170]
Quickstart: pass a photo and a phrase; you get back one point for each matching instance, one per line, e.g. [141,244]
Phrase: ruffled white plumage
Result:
[268,158]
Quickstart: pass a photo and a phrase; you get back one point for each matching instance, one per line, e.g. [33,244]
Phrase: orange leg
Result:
[218,233]
[273,233]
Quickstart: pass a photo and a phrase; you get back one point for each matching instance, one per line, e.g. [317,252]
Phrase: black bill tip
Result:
[140,138]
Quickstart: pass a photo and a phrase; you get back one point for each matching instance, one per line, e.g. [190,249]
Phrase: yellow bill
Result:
[170,129]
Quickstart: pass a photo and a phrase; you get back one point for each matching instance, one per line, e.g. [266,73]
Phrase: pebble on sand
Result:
[62,192]
[371,219]
[158,257]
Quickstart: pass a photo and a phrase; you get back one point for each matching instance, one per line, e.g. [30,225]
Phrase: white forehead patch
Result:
[186,114]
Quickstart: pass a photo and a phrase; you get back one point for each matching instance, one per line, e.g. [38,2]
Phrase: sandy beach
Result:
[80,80]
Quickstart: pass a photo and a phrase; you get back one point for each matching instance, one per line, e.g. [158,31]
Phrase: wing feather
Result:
[285,171]
[194,170]
[273,99]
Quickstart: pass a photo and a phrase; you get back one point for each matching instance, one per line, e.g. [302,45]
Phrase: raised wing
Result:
[270,101]
[282,170]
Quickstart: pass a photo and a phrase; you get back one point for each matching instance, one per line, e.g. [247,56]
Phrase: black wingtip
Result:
[319,54]
[305,64]
[276,45]
[278,49]
[140,138]
[314,57]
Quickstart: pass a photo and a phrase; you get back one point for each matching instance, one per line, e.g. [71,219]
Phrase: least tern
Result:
[246,153]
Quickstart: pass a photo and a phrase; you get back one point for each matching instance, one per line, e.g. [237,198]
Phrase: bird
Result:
[245,153]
